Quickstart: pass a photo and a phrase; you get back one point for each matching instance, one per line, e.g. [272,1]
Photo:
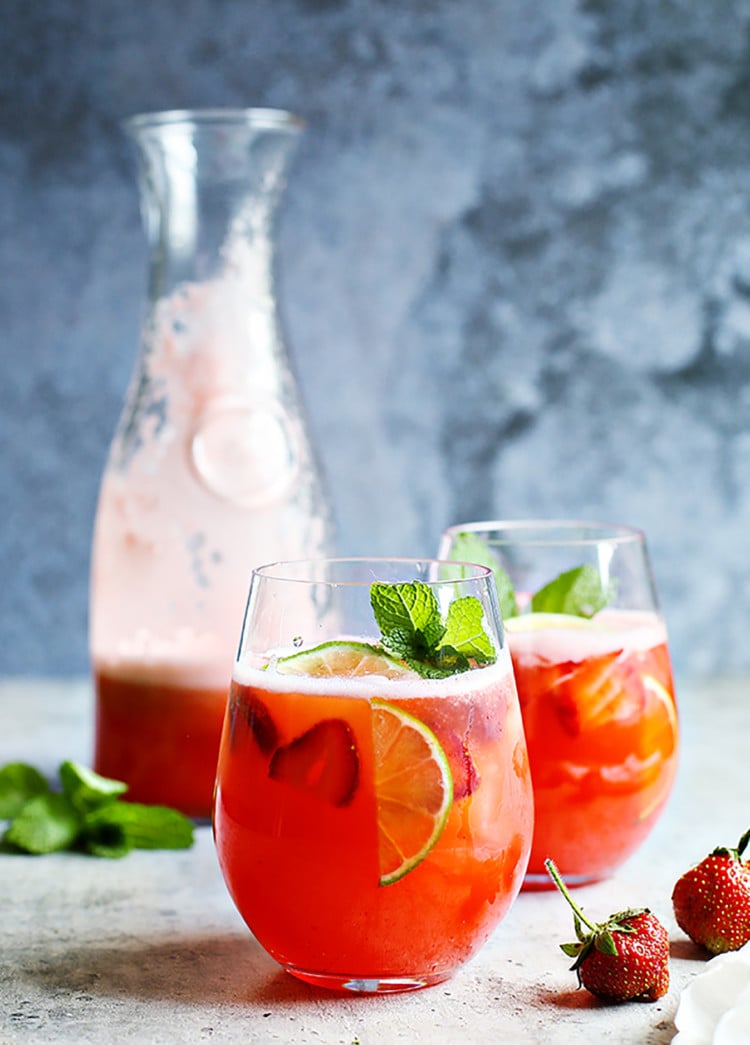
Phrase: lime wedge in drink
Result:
[343,660]
[413,789]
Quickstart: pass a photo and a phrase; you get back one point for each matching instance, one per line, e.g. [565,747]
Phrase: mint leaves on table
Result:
[578,592]
[44,824]
[18,784]
[86,815]
[413,630]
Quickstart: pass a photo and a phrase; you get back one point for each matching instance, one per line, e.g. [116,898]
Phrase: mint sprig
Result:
[45,824]
[578,592]
[85,814]
[86,789]
[18,784]
[413,630]
[464,630]
[130,825]
[468,547]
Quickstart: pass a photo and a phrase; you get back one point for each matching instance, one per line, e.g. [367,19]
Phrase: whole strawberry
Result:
[712,901]
[624,958]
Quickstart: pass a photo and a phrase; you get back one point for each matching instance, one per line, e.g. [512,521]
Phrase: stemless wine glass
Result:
[589,651]
[373,810]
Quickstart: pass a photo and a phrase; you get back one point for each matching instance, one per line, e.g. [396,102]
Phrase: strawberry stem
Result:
[742,844]
[557,879]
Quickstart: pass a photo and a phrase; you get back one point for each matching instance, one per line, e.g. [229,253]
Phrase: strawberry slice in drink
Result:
[463,771]
[597,691]
[246,709]
[459,726]
[323,761]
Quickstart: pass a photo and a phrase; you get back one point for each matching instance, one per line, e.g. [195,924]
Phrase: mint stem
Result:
[557,879]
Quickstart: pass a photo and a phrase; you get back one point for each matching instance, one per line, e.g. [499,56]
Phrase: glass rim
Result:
[273,571]
[261,118]
[548,532]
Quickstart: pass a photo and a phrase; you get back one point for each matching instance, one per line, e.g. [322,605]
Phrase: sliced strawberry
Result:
[535,680]
[464,772]
[323,761]
[596,691]
[456,726]
[245,707]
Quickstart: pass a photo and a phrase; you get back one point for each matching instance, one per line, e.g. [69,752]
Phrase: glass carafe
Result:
[211,471]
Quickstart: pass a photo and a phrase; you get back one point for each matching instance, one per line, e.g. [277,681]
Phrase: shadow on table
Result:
[210,969]
[582,1000]
[684,948]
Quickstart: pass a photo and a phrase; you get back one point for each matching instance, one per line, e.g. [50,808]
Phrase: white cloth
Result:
[715,1008]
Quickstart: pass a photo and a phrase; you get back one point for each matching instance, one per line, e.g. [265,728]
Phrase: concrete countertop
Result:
[151,949]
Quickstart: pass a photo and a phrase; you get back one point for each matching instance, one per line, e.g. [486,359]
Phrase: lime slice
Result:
[662,696]
[342,660]
[413,789]
[539,621]
[661,736]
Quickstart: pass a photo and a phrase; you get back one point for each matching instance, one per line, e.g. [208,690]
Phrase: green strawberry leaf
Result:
[605,943]
[580,934]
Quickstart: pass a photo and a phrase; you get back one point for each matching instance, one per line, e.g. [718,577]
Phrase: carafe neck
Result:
[210,183]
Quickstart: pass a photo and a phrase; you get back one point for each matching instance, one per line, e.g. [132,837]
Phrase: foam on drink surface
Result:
[609,631]
[254,672]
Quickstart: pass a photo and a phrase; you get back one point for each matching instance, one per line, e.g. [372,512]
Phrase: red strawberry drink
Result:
[589,651]
[598,708]
[158,726]
[373,808]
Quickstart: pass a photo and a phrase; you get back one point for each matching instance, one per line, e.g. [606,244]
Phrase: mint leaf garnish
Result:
[18,783]
[85,814]
[45,824]
[408,616]
[439,664]
[413,630]
[468,547]
[464,631]
[579,592]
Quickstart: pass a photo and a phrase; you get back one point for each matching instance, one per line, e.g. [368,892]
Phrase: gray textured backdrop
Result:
[516,260]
